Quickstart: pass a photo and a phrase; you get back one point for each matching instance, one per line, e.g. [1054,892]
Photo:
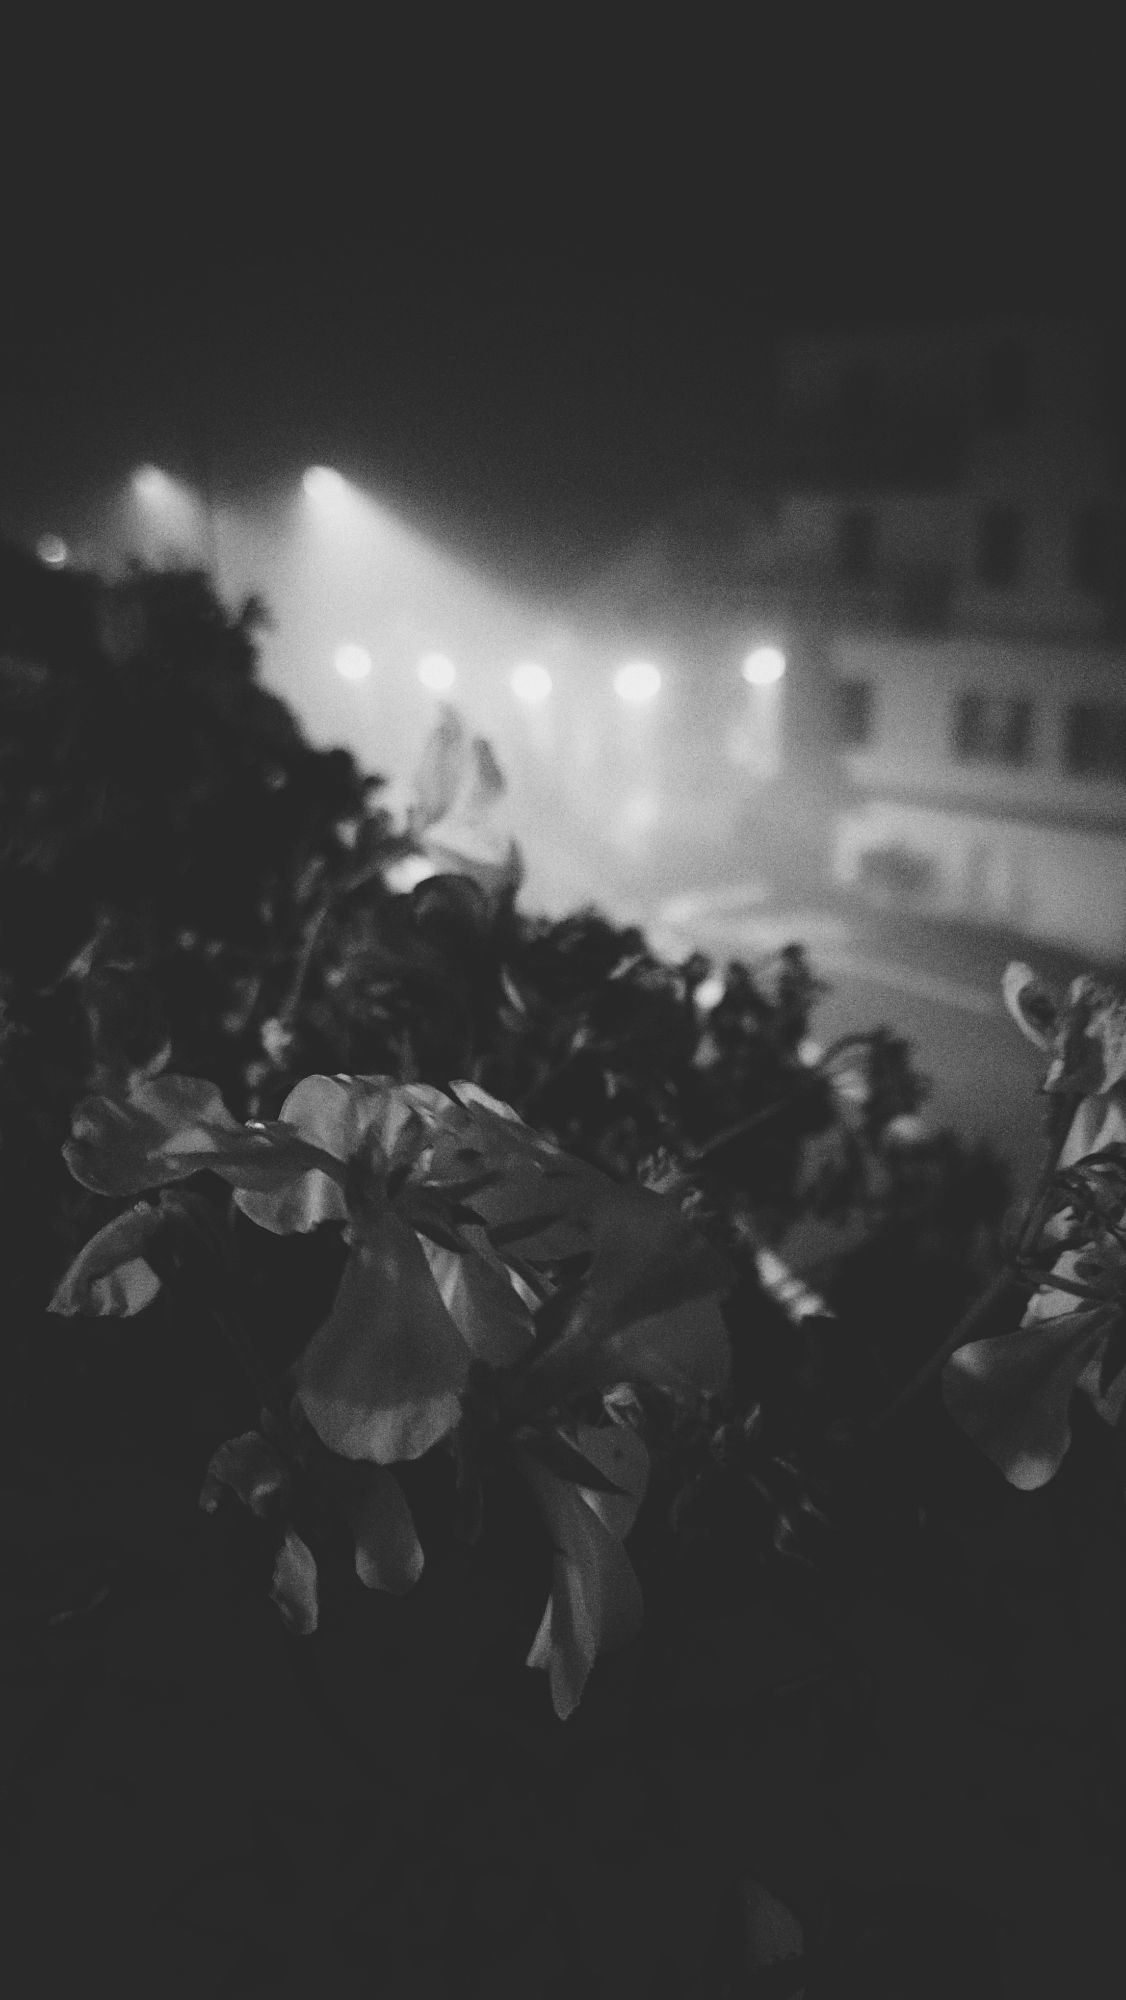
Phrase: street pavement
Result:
[936,982]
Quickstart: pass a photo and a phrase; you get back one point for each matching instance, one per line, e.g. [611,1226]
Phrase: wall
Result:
[1035,847]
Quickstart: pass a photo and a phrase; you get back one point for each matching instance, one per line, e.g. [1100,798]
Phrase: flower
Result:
[458,787]
[1085,1040]
[388,1553]
[473,1243]
[111,1276]
[595,1603]
[1011,1393]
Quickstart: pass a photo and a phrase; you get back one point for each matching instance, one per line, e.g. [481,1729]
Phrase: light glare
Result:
[764,665]
[152,485]
[530,681]
[52,549]
[322,483]
[638,681]
[352,663]
[436,672]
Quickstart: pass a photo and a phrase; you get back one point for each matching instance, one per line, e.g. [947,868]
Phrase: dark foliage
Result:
[184,881]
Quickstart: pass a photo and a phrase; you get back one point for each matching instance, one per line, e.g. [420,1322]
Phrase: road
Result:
[941,990]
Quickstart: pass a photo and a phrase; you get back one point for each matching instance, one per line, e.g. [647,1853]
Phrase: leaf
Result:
[110,1277]
[382,1377]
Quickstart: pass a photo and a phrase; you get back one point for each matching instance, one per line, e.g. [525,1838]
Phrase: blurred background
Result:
[740,450]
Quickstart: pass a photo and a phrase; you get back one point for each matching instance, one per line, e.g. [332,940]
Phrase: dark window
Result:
[993,729]
[1000,545]
[856,546]
[1090,548]
[1005,385]
[853,709]
[1095,739]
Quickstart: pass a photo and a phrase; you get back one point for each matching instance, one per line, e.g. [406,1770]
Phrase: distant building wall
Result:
[1035,842]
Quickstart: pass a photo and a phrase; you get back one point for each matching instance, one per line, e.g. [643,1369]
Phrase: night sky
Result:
[520,292]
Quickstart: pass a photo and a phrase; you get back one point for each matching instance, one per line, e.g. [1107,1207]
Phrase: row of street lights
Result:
[636,682]
[174,509]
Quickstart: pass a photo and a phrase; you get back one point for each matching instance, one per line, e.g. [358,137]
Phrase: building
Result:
[940,546]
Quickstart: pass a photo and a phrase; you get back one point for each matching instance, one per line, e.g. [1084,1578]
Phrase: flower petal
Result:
[441,768]
[110,1277]
[381,1379]
[1089,1046]
[595,1602]
[341,1115]
[1011,1394]
[388,1551]
[477,1292]
[320,1110]
[1031,1003]
[1051,1302]
[251,1468]
[294,1588]
[1099,1121]
[161,1131]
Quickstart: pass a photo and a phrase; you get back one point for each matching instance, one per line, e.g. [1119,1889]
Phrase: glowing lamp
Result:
[530,682]
[152,485]
[638,681]
[52,550]
[322,483]
[352,663]
[765,665]
[436,672]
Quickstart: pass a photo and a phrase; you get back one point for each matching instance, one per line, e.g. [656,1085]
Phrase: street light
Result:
[153,486]
[322,483]
[530,682]
[436,672]
[763,666]
[352,663]
[638,681]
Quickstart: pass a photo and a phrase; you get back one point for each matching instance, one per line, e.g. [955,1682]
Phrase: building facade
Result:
[940,546]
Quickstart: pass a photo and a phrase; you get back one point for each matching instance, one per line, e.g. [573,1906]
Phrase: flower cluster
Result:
[1011,1393]
[477,1253]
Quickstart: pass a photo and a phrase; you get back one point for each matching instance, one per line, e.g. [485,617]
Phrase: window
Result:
[1095,739]
[852,713]
[1000,546]
[1090,548]
[856,546]
[993,729]
[1005,385]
